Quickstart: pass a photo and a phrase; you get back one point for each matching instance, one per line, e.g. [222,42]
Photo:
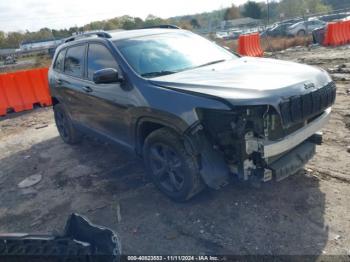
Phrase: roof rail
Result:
[101,34]
[162,26]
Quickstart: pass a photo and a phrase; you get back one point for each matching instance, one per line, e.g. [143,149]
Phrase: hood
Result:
[248,81]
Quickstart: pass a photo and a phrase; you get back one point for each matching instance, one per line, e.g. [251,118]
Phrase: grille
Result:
[300,108]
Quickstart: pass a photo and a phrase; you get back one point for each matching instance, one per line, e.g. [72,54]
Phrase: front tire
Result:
[172,169]
[65,128]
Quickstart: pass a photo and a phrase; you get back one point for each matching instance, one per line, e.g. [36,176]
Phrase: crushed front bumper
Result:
[293,161]
[288,155]
[274,148]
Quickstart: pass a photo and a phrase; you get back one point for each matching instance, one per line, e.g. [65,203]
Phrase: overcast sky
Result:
[32,15]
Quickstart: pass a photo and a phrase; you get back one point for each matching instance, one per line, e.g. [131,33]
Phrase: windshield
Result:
[297,24]
[161,54]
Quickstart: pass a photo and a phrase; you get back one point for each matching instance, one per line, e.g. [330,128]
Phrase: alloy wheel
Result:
[167,167]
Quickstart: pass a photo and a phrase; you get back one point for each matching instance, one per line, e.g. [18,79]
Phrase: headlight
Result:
[236,120]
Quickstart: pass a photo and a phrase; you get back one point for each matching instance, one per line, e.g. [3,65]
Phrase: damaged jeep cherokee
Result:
[195,112]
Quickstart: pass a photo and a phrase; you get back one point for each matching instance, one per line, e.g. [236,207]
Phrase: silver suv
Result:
[304,27]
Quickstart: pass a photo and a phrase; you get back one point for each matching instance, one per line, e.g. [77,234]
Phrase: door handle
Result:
[87,89]
[60,81]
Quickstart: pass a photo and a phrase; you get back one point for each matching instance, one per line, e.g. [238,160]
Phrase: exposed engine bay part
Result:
[267,175]
[251,143]
[81,241]
[255,144]
[248,168]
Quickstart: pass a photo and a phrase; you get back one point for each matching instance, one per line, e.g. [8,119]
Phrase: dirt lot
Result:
[308,213]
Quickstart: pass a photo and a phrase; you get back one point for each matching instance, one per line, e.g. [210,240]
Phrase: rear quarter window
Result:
[59,62]
[74,61]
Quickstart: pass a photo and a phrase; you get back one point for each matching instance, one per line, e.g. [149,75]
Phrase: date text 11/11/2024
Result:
[175,258]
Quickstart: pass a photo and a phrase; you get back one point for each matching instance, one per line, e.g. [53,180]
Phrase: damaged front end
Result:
[262,142]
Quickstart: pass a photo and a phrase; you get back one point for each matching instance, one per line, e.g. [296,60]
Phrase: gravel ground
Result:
[306,214]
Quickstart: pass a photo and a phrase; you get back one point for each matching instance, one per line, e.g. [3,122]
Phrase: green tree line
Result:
[13,39]
[257,10]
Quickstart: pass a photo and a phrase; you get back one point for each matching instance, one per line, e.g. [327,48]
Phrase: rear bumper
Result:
[273,148]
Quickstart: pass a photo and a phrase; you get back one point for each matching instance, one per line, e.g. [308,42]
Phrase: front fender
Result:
[212,165]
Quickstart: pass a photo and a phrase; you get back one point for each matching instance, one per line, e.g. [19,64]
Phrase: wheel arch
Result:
[146,125]
[54,100]
[301,31]
[213,168]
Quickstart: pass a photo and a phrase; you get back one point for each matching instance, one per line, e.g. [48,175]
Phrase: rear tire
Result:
[301,33]
[67,131]
[172,169]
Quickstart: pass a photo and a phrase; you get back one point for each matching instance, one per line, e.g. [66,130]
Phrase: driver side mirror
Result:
[106,76]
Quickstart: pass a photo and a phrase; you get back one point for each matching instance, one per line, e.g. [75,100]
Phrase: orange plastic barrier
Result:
[241,45]
[328,38]
[249,45]
[343,36]
[347,30]
[337,33]
[20,90]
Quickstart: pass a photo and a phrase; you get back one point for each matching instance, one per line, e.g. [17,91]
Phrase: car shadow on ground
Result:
[108,185]
[11,114]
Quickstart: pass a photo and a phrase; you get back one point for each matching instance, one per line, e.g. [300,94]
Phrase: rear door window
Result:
[74,61]
[99,57]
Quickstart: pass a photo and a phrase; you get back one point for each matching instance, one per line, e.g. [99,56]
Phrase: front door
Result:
[108,103]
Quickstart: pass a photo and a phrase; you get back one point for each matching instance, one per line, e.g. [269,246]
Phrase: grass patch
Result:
[271,44]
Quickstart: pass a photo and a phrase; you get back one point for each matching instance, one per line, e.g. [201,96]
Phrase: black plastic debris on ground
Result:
[81,241]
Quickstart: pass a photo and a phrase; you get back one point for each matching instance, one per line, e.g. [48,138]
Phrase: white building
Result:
[39,45]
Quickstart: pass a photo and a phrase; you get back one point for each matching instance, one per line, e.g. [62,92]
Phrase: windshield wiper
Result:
[210,63]
[158,73]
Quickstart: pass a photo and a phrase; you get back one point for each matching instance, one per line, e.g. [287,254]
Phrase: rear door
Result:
[56,75]
[71,80]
